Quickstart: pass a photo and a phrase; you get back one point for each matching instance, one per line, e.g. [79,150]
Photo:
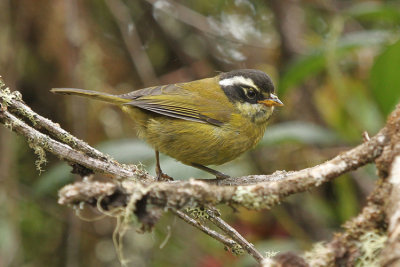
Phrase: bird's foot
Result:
[218,175]
[163,177]
[221,176]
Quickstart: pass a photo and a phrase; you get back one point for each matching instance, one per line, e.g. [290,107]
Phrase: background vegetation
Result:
[336,66]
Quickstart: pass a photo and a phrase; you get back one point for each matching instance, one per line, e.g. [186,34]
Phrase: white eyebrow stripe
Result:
[238,80]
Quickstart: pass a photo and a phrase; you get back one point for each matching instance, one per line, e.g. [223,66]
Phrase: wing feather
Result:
[175,100]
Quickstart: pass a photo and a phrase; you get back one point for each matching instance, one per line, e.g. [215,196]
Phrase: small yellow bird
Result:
[203,122]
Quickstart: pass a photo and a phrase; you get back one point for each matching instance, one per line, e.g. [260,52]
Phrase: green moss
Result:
[125,219]
[270,254]
[8,126]
[28,113]
[6,95]
[41,153]
[319,255]
[197,212]
[370,246]
[140,170]
[39,146]
[237,249]
[68,139]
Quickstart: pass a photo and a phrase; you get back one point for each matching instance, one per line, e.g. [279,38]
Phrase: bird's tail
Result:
[92,94]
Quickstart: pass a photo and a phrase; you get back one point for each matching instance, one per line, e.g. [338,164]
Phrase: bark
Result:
[130,190]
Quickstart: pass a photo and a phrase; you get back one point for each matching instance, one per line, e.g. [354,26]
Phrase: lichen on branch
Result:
[134,191]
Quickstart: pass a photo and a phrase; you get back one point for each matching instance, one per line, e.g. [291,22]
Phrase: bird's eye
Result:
[250,93]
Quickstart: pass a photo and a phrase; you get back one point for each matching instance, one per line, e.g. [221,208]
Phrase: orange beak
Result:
[273,100]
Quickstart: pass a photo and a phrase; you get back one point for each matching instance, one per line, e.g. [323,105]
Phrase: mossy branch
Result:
[135,189]
[17,116]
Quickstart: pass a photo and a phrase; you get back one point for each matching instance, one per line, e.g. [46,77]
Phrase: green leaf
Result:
[299,70]
[345,192]
[373,11]
[385,78]
[314,62]
[348,112]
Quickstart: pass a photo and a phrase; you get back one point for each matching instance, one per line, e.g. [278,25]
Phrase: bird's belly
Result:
[201,143]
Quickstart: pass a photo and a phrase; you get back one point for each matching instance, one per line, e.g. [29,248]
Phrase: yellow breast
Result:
[194,142]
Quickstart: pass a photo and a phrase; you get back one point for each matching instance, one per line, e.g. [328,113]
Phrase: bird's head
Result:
[252,92]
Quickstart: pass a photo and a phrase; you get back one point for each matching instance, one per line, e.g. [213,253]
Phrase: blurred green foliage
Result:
[335,64]
[385,78]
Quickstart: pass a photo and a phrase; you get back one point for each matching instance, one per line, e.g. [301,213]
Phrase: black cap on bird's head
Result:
[248,85]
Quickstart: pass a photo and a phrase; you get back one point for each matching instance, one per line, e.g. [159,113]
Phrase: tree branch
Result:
[391,253]
[67,147]
[252,192]
[389,165]
[216,219]
[271,189]
[217,236]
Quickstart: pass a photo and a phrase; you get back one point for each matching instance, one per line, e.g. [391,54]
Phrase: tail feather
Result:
[91,94]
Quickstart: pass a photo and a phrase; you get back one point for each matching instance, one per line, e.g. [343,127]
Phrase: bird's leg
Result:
[160,175]
[158,167]
[218,175]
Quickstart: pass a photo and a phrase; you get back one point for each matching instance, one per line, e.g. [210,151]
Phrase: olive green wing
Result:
[182,102]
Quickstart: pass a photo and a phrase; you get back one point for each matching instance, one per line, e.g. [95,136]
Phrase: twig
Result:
[93,160]
[62,150]
[214,234]
[214,217]
[366,136]
[54,129]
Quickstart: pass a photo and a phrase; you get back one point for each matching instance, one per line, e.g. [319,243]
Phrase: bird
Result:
[204,122]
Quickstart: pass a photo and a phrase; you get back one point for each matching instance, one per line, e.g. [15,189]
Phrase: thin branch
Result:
[216,219]
[214,234]
[93,160]
[19,108]
[63,151]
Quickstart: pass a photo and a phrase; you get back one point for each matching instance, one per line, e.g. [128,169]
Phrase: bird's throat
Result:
[257,113]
